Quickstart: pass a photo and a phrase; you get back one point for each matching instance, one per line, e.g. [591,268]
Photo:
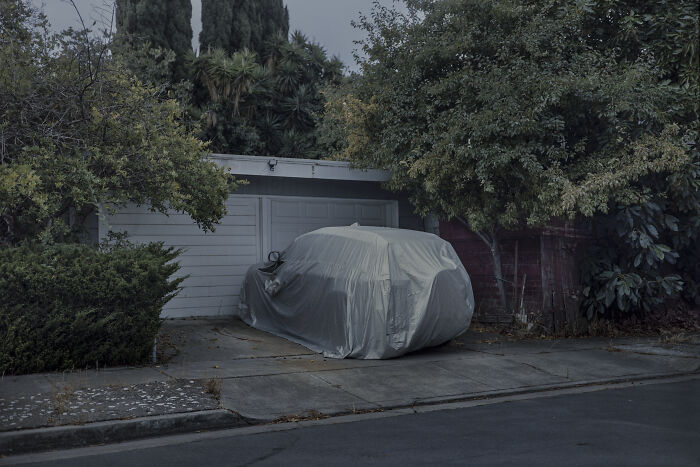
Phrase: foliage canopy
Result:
[508,114]
[78,129]
[165,24]
[252,89]
[266,105]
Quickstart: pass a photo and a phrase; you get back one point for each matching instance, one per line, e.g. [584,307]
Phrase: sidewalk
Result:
[222,373]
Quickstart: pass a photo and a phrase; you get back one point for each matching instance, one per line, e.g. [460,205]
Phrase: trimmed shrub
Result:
[71,306]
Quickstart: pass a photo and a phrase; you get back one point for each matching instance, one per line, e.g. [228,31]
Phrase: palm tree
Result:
[317,60]
[295,144]
[287,77]
[213,70]
[270,128]
[299,109]
[273,51]
[245,74]
[231,81]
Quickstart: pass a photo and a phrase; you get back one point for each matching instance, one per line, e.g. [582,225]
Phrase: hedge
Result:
[75,306]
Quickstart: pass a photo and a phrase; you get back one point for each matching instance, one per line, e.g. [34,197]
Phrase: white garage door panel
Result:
[284,234]
[237,201]
[286,218]
[344,211]
[198,271]
[199,311]
[376,213]
[186,241]
[282,209]
[317,210]
[214,261]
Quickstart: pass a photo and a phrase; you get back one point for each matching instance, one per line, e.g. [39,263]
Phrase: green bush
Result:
[645,256]
[70,306]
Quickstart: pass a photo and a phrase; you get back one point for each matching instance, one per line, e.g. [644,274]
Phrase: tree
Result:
[162,24]
[236,85]
[505,114]
[270,106]
[217,20]
[78,131]
[649,251]
[234,25]
[277,113]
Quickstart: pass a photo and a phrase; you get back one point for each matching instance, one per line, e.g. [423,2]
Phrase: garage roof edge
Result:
[298,168]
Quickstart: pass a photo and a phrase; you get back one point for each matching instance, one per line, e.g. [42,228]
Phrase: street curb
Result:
[542,389]
[73,436]
[76,436]
[474,396]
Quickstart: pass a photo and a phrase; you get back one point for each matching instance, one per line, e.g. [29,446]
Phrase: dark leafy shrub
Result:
[71,306]
[647,255]
[625,270]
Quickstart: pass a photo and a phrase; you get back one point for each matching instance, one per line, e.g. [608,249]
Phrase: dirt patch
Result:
[168,345]
[672,326]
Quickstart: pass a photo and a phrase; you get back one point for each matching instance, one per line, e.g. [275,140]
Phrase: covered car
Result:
[361,292]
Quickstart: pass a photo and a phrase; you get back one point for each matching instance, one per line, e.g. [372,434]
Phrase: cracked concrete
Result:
[266,377]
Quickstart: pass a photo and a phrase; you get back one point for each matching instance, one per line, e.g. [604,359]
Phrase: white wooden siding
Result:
[215,262]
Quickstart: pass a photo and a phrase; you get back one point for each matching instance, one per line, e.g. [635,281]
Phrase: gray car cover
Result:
[361,292]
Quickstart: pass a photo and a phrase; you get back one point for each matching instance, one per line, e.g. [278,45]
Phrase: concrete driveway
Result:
[266,377]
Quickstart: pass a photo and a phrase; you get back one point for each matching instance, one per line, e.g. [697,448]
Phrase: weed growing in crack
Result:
[213,386]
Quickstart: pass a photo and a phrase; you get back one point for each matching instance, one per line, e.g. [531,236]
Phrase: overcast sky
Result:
[325,21]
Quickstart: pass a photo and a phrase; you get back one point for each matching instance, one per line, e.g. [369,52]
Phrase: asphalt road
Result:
[654,425]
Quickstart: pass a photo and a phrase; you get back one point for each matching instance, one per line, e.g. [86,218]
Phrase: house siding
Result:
[214,263]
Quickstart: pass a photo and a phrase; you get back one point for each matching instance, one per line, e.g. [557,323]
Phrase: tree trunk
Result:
[492,241]
[495,248]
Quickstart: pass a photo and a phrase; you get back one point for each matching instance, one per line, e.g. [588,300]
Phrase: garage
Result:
[260,218]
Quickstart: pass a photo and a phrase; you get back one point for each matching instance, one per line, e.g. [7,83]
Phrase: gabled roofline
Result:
[298,168]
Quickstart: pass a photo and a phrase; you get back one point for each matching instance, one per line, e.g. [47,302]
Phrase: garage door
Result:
[285,217]
[215,262]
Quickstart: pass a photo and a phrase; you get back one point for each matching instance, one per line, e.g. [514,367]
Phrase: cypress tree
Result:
[163,23]
[217,17]
[237,24]
[273,19]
